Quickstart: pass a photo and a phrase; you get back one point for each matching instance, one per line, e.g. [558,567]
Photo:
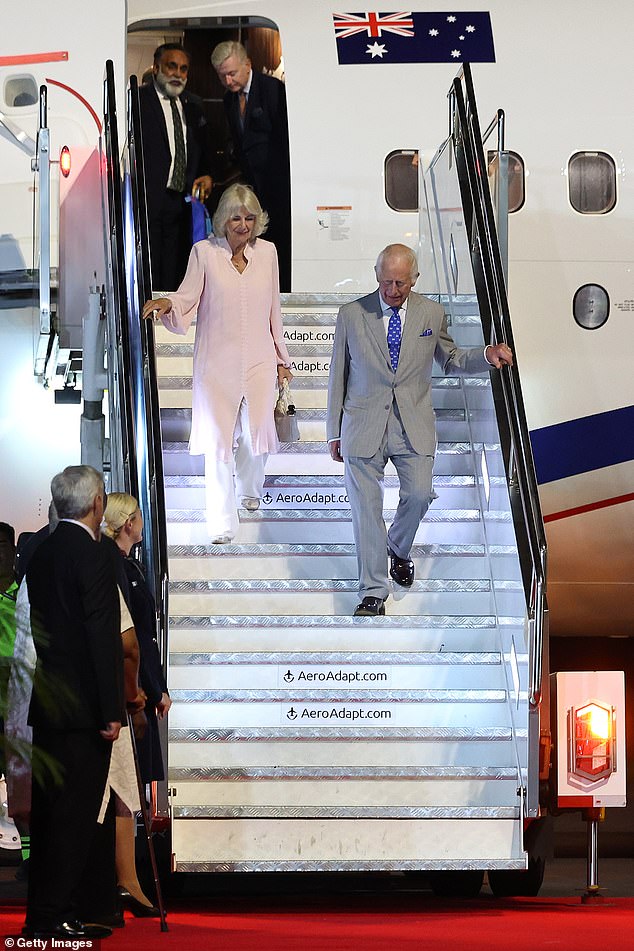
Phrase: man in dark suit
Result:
[255,105]
[177,159]
[77,704]
[380,409]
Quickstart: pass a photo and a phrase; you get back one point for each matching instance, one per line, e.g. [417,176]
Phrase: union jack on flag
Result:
[373,24]
[411,37]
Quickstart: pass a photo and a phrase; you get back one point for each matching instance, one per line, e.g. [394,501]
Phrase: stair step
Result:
[463,749]
[267,562]
[326,635]
[207,710]
[211,794]
[275,845]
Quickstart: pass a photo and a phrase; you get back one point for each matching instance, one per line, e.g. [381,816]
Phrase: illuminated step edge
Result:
[409,622]
[439,383]
[327,584]
[345,812]
[281,480]
[283,549]
[348,658]
[445,734]
[342,772]
[337,515]
[338,865]
[401,697]
[444,447]
[288,844]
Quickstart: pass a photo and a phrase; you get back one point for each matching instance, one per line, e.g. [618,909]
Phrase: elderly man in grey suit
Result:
[380,409]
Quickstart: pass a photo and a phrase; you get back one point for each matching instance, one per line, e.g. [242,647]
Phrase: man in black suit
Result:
[177,159]
[77,704]
[255,105]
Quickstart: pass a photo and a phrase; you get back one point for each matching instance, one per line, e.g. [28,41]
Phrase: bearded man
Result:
[178,160]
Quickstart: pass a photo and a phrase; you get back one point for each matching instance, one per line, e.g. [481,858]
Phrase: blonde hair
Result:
[226,49]
[231,201]
[118,510]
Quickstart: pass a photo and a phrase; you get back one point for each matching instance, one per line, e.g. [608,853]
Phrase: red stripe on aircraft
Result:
[77,95]
[592,507]
[57,56]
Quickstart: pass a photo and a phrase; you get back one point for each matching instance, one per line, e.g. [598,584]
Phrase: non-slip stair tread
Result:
[334,515]
[301,585]
[445,734]
[331,658]
[211,774]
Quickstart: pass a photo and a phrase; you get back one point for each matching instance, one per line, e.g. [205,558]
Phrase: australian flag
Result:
[414,38]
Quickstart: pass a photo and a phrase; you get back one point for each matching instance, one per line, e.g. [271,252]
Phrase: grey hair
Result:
[398,251]
[74,491]
[226,49]
[232,200]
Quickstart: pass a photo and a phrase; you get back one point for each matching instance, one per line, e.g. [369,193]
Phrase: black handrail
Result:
[119,356]
[151,484]
[496,319]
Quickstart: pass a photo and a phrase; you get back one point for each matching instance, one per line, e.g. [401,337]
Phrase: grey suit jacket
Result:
[362,384]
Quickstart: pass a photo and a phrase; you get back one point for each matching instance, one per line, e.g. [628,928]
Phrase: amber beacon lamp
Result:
[588,709]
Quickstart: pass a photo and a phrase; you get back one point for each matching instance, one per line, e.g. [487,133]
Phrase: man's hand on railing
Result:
[499,355]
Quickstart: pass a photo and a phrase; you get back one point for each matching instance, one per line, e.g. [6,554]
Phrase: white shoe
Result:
[222,539]
[251,504]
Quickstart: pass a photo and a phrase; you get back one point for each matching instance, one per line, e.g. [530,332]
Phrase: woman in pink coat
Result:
[232,288]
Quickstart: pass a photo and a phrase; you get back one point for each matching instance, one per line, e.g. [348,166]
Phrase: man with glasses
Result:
[380,409]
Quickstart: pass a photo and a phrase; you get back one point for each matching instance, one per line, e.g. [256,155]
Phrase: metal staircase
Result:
[300,737]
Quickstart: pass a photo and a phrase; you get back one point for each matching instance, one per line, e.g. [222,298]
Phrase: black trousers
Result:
[170,241]
[64,822]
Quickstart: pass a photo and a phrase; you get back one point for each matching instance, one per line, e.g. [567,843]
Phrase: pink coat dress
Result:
[239,343]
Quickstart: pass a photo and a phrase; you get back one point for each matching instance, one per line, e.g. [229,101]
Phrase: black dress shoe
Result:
[370,607]
[401,570]
[138,908]
[72,929]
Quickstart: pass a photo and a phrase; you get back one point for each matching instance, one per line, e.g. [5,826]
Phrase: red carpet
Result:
[377,923]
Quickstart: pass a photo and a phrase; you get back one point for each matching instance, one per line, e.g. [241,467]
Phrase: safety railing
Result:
[522,479]
[123,457]
[143,371]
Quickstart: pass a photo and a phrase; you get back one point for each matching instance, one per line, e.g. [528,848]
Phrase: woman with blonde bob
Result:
[123,522]
[232,289]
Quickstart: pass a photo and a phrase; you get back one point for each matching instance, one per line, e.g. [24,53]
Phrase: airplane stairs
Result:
[302,738]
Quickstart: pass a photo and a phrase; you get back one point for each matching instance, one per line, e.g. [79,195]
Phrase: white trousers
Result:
[228,482]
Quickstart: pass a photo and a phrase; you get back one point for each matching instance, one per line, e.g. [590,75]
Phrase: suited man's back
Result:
[75,620]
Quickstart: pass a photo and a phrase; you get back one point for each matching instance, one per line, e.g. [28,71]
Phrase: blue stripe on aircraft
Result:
[583,445]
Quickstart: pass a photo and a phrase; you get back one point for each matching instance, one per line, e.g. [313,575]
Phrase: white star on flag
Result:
[455,54]
[376,49]
[470,29]
[433,32]
[451,19]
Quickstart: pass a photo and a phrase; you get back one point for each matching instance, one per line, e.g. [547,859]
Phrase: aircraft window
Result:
[515,192]
[401,180]
[20,91]
[516,180]
[592,182]
[591,306]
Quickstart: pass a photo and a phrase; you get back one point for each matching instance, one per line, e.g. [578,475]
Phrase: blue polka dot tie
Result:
[394,336]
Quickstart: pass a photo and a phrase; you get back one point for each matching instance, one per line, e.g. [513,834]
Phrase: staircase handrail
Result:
[155,550]
[520,465]
[119,358]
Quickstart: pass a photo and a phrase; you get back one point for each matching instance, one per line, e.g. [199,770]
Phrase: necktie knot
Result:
[394,336]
